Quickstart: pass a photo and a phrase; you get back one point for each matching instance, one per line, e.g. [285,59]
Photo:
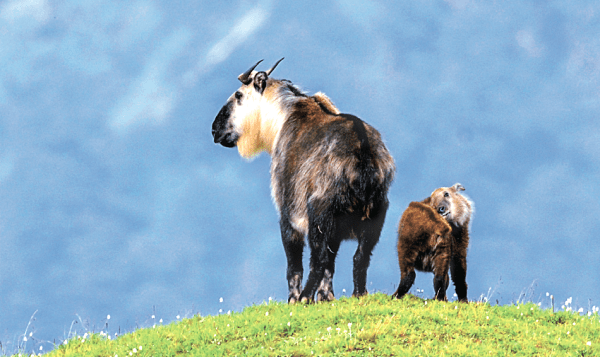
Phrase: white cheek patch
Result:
[245,111]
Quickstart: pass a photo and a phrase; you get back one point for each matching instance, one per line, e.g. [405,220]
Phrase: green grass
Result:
[373,325]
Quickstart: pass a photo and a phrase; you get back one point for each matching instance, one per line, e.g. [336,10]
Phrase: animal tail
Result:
[366,190]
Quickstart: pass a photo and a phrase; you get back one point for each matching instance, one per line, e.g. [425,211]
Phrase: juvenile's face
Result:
[448,202]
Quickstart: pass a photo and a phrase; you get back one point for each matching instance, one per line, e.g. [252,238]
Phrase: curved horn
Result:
[244,77]
[272,68]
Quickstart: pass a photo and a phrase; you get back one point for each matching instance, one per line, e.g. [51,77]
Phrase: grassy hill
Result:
[374,325]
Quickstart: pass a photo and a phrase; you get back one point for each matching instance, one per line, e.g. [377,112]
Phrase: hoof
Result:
[325,296]
[359,295]
[305,300]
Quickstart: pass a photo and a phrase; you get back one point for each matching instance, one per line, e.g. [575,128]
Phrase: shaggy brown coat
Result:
[433,236]
[330,174]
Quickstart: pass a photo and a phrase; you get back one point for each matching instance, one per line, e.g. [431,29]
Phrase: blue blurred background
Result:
[115,201]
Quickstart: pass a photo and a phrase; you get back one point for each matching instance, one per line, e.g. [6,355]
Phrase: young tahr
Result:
[433,236]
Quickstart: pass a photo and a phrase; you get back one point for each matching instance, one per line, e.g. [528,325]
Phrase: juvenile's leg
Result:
[440,272]
[458,269]
[406,281]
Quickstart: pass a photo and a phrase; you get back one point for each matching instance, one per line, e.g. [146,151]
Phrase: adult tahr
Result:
[330,175]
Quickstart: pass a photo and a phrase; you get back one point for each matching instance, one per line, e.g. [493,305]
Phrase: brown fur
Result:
[433,236]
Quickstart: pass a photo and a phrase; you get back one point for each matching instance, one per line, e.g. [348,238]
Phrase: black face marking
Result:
[222,131]
[238,96]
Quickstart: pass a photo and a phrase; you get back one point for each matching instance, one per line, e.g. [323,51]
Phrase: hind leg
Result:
[293,244]
[440,273]
[406,281]
[320,232]
[325,289]
[368,236]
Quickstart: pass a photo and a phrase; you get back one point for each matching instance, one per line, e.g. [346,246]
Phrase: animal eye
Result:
[446,194]
[441,209]
[238,95]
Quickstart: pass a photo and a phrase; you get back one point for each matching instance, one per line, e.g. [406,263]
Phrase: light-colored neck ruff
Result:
[261,128]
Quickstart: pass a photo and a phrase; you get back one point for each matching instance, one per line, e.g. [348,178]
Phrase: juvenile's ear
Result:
[260,82]
[458,187]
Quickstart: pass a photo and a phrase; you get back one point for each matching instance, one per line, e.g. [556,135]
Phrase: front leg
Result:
[293,244]
[458,269]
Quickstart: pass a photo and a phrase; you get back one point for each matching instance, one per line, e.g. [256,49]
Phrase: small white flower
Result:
[455,307]
[24,338]
[153,317]
[158,321]
[30,334]
[568,332]
[290,314]
[220,299]
[547,294]
[267,313]
[140,348]
[580,309]
[289,324]
[220,311]
[178,317]
[487,317]
[349,324]
[329,329]
[573,324]
[108,317]
[228,312]
[589,343]
[344,291]
[270,299]
[41,348]
[134,350]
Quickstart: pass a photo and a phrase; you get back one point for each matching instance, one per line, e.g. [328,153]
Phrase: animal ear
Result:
[260,82]
[458,187]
